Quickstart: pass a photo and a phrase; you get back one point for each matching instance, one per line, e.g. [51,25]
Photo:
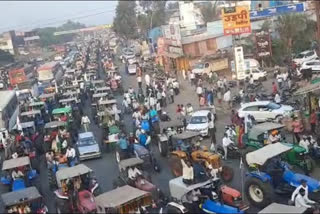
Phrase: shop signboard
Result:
[160,46]
[263,43]
[236,20]
[277,11]
[172,39]
[239,61]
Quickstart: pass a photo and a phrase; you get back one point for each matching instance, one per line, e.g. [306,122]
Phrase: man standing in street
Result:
[139,80]
[70,154]
[147,79]
[227,98]
[85,121]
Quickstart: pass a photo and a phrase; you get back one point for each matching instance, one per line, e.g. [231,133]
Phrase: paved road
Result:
[106,169]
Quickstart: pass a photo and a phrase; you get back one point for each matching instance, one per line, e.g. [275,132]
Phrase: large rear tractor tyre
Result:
[227,174]
[176,166]
[259,194]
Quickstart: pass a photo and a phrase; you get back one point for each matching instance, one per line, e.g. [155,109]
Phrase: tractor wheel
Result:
[227,173]
[176,166]
[163,148]
[260,194]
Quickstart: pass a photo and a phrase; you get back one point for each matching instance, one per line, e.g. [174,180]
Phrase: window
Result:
[198,120]
[3,43]
[309,54]
[251,108]
[210,44]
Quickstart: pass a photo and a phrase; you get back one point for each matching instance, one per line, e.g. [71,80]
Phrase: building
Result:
[7,42]
[31,39]
[190,15]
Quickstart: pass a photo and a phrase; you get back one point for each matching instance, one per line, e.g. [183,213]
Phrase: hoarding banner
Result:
[276,11]
[239,62]
[263,43]
[220,64]
[236,20]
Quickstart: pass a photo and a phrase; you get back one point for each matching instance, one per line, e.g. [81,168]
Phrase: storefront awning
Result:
[307,89]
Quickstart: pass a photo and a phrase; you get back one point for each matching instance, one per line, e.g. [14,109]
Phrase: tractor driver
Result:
[274,137]
[274,169]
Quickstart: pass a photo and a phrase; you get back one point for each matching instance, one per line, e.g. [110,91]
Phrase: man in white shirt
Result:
[187,172]
[199,91]
[304,143]
[192,77]
[279,80]
[85,121]
[70,154]
[227,98]
[277,98]
[302,200]
[147,79]
[226,141]
[133,173]
[304,186]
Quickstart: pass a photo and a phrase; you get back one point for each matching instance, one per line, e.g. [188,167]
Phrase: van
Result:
[252,67]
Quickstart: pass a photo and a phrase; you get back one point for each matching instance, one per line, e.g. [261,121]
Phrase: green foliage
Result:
[125,21]
[209,12]
[6,56]
[266,26]
[48,38]
[296,33]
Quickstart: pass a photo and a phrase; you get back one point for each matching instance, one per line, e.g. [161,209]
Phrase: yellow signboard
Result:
[236,20]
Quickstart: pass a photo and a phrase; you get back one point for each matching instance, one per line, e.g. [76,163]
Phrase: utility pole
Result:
[317,11]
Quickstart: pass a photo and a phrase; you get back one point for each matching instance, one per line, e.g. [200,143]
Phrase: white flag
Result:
[241,163]
[19,127]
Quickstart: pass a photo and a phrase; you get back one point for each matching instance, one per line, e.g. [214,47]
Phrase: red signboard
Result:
[17,76]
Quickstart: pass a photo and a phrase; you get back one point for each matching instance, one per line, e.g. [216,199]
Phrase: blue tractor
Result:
[22,165]
[268,176]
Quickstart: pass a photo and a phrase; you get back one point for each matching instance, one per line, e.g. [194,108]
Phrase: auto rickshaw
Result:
[282,208]
[22,164]
[29,130]
[164,138]
[49,90]
[63,114]
[97,97]
[37,106]
[79,177]
[142,182]
[183,146]
[51,130]
[125,199]
[33,115]
[27,200]
[45,97]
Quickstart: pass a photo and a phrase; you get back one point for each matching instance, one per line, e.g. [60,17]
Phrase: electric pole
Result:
[317,11]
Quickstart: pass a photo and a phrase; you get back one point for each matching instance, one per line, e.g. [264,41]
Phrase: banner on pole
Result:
[236,20]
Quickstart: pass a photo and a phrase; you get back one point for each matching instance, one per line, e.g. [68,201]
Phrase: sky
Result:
[27,15]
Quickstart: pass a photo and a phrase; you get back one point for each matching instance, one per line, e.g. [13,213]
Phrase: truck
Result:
[207,65]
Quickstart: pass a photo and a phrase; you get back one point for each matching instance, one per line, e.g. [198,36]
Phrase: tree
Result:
[266,26]
[125,21]
[48,38]
[209,12]
[289,27]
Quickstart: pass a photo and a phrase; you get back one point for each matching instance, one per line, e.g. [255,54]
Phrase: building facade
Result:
[7,42]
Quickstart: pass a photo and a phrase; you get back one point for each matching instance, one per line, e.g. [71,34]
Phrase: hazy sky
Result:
[26,15]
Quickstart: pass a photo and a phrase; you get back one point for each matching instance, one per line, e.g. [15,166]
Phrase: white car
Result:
[199,122]
[132,69]
[305,56]
[264,110]
[132,61]
[314,65]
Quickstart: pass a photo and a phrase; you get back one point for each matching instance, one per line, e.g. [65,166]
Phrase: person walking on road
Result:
[227,98]
[139,80]
[85,121]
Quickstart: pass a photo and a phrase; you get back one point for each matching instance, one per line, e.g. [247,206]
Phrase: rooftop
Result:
[6,96]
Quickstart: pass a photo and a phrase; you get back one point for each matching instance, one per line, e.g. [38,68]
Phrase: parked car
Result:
[304,57]
[252,67]
[199,122]
[314,65]
[264,110]
[87,146]
[132,68]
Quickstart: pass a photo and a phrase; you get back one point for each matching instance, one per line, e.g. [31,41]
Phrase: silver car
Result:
[88,147]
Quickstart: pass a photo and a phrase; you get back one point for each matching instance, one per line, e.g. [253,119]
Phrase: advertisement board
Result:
[160,46]
[17,76]
[263,43]
[239,61]
[277,11]
[172,34]
[236,20]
